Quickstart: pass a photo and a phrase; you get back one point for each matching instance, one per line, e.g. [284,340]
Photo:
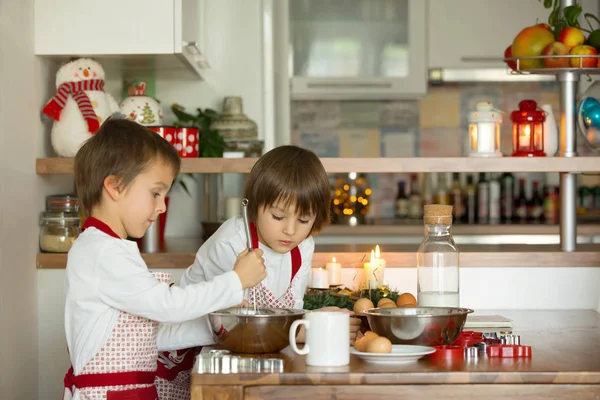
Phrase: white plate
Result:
[401,354]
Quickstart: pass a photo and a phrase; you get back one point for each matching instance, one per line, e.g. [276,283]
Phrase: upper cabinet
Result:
[475,33]
[357,49]
[163,31]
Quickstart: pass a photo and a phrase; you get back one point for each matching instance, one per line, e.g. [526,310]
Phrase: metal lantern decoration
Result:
[484,130]
[528,130]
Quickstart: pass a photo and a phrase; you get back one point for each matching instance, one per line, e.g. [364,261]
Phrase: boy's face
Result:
[144,200]
[282,228]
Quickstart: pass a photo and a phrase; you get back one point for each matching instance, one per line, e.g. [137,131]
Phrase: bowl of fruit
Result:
[562,43]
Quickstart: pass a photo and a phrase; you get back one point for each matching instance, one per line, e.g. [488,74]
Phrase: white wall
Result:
[25,84]
[235,52]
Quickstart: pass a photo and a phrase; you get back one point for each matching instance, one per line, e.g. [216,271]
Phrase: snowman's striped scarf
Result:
[76,89]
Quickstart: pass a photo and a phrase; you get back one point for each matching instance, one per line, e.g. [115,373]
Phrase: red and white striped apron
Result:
[125,367]
[175,367]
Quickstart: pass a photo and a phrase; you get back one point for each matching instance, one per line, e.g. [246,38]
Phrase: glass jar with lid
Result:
[58,231]
[437,260]
[62,203]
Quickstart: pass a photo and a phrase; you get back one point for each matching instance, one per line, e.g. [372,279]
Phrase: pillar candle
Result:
[372,273]
[334,272]
[319,279]
[381,263]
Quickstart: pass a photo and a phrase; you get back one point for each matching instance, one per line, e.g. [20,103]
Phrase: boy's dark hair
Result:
[290,175]
[121,148]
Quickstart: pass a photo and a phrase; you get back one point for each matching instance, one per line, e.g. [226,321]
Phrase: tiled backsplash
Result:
[435,126]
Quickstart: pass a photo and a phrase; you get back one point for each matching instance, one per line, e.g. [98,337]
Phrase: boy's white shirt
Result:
[106,275]
[218,254]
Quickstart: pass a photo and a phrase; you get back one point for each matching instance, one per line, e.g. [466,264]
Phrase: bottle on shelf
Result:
[401,201]
[535,209]
[494,199]
[437,260]
[428,192]
[457,199]
[441,194]
[414,200]
[470,201]
[483,203]
[551,204]
[521,203]
[507,195]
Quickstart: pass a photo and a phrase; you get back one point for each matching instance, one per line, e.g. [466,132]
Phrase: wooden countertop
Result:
[565,364]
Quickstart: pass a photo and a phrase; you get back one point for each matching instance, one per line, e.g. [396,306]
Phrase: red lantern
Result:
[528,130]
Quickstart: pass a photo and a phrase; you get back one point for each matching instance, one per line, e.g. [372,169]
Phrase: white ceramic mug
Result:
[327,338]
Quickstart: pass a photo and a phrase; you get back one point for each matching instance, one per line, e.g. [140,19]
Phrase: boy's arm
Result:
[124,282]
[212,259]
[182,336]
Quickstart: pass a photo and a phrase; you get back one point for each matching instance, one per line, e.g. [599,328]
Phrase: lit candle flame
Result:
[372,256]
[377,253]
[333,259]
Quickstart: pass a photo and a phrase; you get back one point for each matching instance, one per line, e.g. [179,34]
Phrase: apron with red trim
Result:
[125,367]
[174,370]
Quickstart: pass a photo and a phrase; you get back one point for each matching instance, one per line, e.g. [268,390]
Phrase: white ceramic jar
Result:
[140,108]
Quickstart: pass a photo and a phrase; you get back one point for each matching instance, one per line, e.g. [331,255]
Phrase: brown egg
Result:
[406,300]
[379,345]
[384,300]
[362,304]
[361,343]
[388,304]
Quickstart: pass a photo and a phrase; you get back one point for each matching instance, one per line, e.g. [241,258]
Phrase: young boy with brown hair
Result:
[115,308]
[289,196]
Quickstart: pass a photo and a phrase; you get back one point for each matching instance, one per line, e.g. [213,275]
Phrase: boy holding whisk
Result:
[289,197]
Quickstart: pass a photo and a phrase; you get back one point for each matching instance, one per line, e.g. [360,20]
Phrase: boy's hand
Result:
[250,268]
[354,322]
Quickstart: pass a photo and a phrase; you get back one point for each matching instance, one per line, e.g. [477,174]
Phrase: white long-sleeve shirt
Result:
[106,275]
[218,254]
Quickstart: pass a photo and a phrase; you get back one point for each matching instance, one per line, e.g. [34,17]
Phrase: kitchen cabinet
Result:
[475,33]
[357,49]
[147,32]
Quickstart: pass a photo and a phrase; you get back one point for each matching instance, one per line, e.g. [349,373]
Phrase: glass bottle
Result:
[470,201]
[521,202]
[494,199]
[483,196]
[437,260]
[441,195]
[414,201]
[536,205]
[457,198]
[401,201]
[507,209]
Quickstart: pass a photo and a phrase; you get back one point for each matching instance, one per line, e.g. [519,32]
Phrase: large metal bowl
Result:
[243,330]
[428,326]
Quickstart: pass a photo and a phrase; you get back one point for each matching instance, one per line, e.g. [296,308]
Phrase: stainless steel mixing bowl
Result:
[429,326]
[244,330]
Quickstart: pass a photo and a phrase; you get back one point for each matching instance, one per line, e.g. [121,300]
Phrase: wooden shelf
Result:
[180,253]
[374,165]
[416,228]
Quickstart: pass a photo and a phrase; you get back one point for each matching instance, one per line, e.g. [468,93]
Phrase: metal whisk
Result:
[255,290]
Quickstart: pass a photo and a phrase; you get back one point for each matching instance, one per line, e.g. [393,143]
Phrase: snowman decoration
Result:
[79,106]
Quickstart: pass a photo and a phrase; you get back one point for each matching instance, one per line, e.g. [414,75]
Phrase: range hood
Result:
[439,76]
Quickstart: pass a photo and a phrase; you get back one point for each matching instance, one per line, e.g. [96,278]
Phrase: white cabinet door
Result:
[164,33]
[357,49]
[92,27]
[475,33]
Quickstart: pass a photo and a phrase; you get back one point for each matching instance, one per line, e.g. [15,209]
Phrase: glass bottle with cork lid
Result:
[437,260]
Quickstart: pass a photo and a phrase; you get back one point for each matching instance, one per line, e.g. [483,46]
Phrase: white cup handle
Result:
[294,331]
